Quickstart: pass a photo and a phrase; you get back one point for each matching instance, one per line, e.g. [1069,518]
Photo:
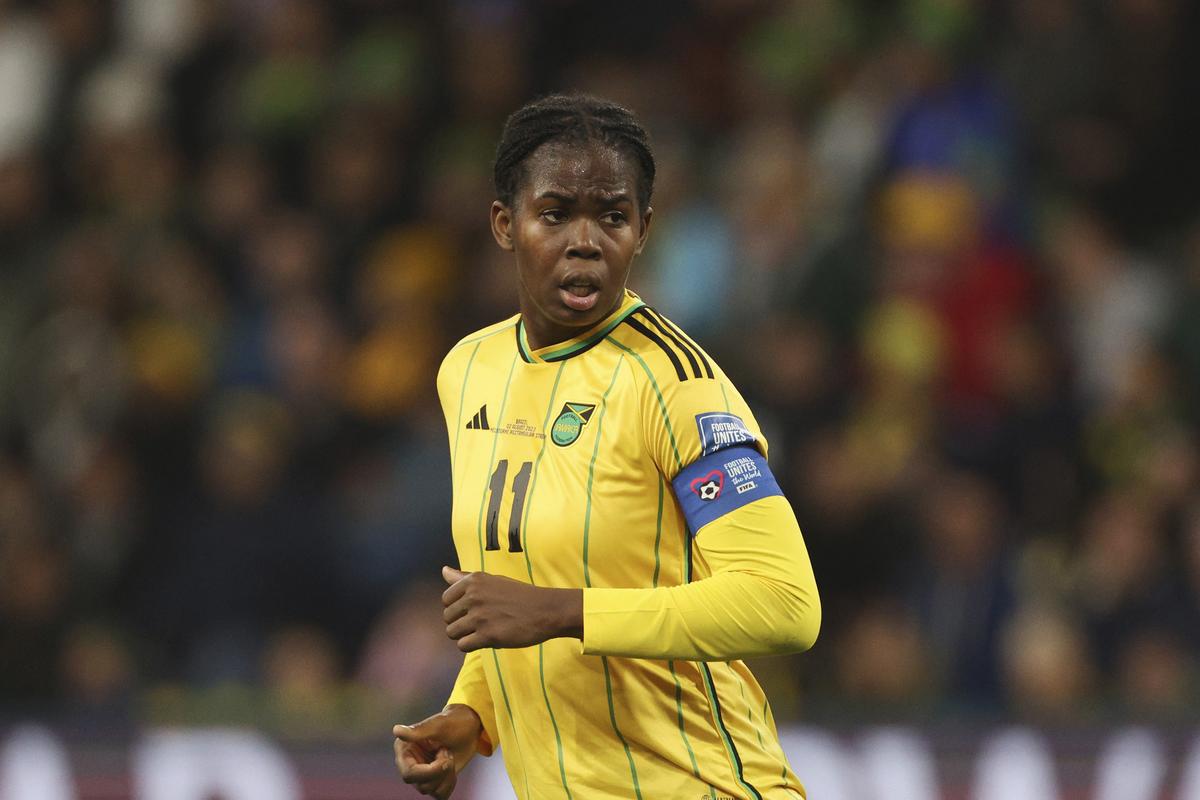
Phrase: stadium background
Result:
[949,249]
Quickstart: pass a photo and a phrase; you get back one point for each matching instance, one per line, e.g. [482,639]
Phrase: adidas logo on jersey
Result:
[479,421]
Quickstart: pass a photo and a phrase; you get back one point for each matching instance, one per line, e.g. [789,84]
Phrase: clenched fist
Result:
[483,610]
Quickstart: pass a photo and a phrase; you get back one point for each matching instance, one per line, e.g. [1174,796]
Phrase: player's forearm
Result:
[726,616]
[761,600]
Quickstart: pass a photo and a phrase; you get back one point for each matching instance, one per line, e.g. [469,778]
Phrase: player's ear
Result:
[502,220]
[645,231]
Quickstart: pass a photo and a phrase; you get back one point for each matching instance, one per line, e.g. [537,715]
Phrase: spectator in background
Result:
[882,663]
[246,552]
[35,608]
[962,590]
[1114,305]
[1046,669]
[1124,582]
[1156,676]
[1181,335]
[29,67]
[233,234]
[98,674]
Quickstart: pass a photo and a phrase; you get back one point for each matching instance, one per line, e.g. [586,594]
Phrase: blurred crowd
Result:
[948,249]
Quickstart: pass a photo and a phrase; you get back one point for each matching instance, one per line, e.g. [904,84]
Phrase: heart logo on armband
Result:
[708,487]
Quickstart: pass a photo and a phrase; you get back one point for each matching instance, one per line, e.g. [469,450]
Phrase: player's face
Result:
[575,227]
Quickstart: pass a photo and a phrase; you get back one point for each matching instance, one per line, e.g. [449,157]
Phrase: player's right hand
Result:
[430,754]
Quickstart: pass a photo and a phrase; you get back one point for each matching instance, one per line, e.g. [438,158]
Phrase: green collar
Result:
[573,347]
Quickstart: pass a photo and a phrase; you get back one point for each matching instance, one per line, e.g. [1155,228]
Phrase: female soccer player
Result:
[625,539]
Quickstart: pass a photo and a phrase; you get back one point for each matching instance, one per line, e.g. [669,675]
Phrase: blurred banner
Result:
[945,762]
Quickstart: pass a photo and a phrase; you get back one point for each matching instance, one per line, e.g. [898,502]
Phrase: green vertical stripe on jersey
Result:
[612,715]
[462,395]
[726,737]
[741,688]
[766,720]
[662,406]
[487,476]
[587,518]
[750,714]
[710,689]
[482,336]
[562,769]
[511,722]
[533,478]
[671,663]
[658,531]
[679,718]
[587,576]
[479,531]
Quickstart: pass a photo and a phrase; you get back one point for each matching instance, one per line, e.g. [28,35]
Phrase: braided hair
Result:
[573,118]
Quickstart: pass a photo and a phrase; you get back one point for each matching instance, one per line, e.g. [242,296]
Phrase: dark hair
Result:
[575,118]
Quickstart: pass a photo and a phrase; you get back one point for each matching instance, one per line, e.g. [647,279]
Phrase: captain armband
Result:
[729,474]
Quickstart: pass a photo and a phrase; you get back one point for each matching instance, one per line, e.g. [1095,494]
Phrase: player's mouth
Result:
[579,294]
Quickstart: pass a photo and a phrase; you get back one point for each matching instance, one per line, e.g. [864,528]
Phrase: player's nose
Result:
[583,240]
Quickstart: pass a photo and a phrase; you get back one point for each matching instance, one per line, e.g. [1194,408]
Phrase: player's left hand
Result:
[430,753]
[484,610]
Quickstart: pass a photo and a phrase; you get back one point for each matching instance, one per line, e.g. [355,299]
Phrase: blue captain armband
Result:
[721,482]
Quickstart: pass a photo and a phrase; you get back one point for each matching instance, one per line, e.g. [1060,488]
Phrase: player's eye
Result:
[554,215]
[614,218]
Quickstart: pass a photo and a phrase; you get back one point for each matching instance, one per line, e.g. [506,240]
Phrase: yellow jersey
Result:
[624,462]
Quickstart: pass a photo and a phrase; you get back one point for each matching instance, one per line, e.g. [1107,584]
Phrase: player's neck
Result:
[541,332]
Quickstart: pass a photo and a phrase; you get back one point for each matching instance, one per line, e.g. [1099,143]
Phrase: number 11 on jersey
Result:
[496,490]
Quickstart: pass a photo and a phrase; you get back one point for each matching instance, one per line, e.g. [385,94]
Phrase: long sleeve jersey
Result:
[625,463]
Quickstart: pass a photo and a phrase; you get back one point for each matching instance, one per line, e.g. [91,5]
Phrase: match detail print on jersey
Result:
[728,475]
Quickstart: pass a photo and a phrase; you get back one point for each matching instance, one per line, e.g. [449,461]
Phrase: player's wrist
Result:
[566,609]
[458,709]
[465,733]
